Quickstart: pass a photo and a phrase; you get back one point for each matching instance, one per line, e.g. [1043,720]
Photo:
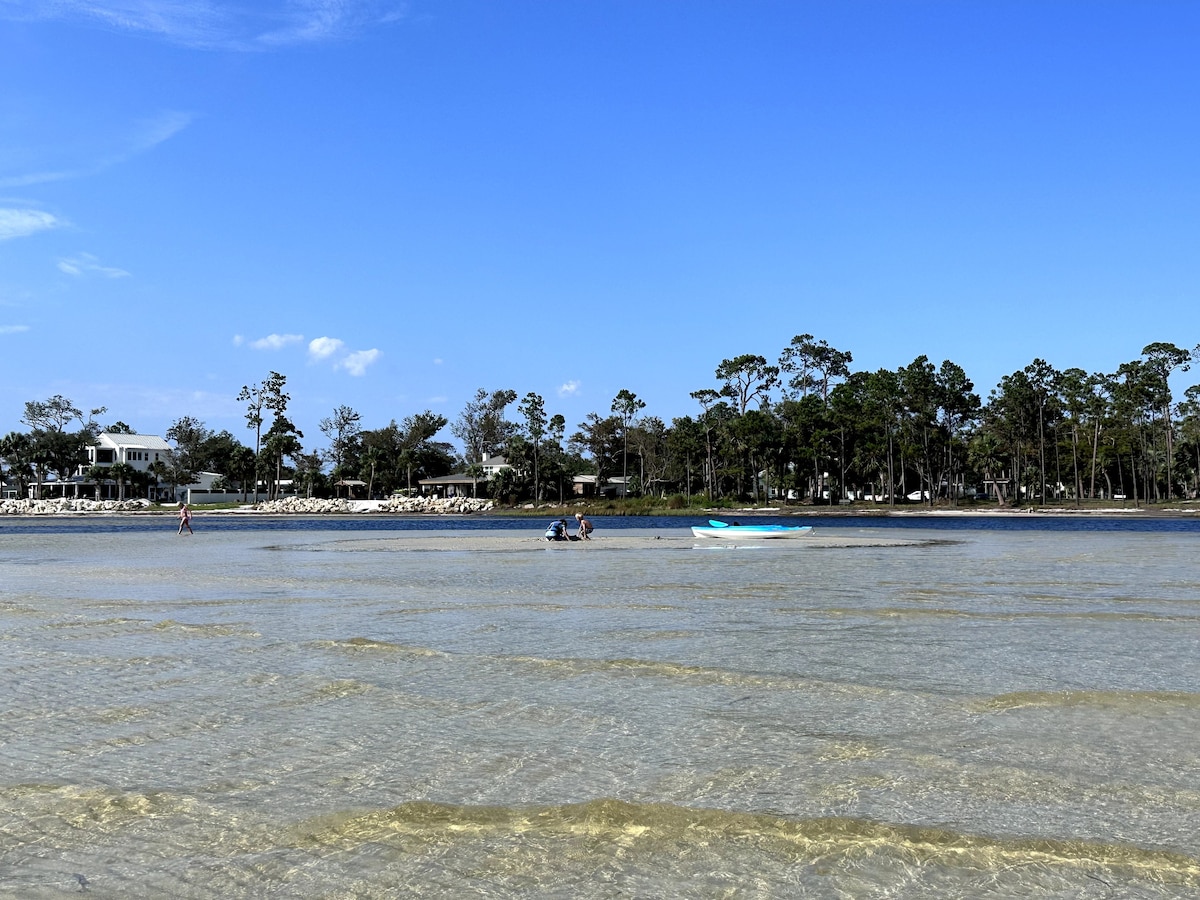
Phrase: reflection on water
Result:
[243,713]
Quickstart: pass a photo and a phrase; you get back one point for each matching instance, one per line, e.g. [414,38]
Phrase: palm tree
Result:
[243,462]
[17,452]
[985,454]
[372,458]
[121,472]
[164,474]
[98,474]
[282,440]
[475,470]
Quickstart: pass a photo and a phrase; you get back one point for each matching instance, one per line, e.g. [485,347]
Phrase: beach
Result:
[295,708]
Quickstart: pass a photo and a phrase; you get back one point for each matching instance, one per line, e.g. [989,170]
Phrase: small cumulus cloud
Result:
[13,329]
[335,350]
[86,264]
[324,347]
[570,389]
[15,223]
[437,361]
[356,363]
[274,341]
[238,340]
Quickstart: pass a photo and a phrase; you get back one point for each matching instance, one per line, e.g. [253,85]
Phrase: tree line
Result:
[806,426]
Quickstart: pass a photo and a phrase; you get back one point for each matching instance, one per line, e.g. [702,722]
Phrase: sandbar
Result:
[449,543]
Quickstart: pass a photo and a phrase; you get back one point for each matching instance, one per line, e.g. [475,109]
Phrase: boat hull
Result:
[751,532]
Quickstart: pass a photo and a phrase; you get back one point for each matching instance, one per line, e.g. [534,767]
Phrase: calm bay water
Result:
[294,708]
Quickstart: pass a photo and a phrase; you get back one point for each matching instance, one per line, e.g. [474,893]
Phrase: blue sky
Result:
[394,204]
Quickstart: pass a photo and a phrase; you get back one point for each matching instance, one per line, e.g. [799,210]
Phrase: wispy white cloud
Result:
[149,133]
[356,363]
[42,177]
[184,21]
[13,329]
[274,341]
[87,264]
[570,389]
[324,347]
[135,139]
[15,223]
[208,24]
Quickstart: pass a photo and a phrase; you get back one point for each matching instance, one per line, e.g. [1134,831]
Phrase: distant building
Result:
[460,484]
[138,451]
[585,486]
[492,465]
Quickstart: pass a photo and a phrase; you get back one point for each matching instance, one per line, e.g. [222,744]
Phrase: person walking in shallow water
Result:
[185,518]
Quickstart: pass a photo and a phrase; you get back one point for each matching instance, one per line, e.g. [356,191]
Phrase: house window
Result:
[105,455]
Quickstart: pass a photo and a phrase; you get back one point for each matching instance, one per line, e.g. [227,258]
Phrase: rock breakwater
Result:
[399,505]
[60,507]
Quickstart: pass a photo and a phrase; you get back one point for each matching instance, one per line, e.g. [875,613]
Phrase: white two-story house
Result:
[140,451]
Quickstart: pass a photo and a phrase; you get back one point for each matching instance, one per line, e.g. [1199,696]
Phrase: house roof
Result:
[135,441]
[456,478]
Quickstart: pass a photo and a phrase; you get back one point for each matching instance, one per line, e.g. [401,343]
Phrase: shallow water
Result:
[297,713]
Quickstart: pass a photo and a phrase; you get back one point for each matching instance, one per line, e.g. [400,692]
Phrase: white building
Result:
[140,451]
[493,464]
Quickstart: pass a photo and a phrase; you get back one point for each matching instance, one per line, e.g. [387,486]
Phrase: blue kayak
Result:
[724,530]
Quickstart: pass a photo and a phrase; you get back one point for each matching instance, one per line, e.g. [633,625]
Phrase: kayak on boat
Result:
[718,529]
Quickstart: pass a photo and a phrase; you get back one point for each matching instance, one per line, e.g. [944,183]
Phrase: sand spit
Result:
[459,543]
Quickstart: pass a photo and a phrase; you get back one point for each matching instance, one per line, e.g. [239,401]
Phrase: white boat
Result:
[726,531]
